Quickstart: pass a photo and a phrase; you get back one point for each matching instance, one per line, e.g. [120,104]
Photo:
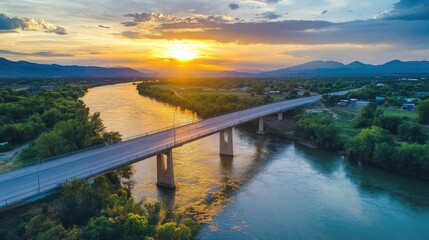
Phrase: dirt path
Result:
[177,94]
[12,154]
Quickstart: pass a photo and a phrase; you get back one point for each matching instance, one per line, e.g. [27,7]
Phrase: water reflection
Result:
[270,185]
[411,192]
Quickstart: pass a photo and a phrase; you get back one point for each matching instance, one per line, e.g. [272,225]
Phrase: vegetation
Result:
[423,110]
[319,128]
[53,121]
[59,122]
[381,135]
[101,210]
[204,104]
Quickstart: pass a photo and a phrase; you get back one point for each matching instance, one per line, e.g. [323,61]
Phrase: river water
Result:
[272,188]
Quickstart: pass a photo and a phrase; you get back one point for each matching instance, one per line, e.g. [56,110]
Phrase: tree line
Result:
[103,209]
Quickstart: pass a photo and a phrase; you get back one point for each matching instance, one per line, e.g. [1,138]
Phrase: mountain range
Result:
[27,69]
[354,68]
[23,69]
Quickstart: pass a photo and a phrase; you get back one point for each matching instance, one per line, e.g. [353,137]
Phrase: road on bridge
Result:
[32,181]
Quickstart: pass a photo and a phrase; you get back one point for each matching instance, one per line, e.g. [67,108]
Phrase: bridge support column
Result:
[280,116]
[261,130]
[165,172]
[226,145]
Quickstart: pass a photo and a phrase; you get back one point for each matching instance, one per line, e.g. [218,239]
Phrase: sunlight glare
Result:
[182,53]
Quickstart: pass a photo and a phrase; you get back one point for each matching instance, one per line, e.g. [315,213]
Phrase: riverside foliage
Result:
[101,210]
[60,123]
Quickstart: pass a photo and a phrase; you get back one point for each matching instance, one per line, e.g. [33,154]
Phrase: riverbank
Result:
[272,188]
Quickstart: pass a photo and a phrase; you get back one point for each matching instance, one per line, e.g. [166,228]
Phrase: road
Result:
[26,183]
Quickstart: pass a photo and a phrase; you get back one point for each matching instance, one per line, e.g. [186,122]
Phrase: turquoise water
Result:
[272,188]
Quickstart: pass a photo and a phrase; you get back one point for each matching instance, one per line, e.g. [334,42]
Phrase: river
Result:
[271,188]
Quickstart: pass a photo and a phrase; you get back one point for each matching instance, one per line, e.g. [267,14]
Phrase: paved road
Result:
[31,181]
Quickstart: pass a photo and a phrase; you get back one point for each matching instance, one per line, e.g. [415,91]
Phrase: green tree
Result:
[136,227]
[366,115]
[361,147]
[268,99]
[423,111]
[411,133]
[182,232]
[99,228]
[389,123]
[166,231]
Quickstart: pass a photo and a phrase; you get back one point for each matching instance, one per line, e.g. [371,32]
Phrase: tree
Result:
[136,226]
[166,231]
[389,123]
[51,117]
[306,94]
[411,133]
[361,147]
[366,115]
[125,175]
[268,99]
[423,111]
[99,228]
[182,232]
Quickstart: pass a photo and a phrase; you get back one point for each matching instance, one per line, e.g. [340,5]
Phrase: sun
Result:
[182,54]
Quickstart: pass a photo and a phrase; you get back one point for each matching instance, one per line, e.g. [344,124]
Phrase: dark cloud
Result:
[11,24]
[269,15]
[324,12]
[39,54]
[102,26]
[233,6]
[408,10]
[296,32]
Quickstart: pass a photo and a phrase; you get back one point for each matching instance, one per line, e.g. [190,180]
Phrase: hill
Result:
[20,69]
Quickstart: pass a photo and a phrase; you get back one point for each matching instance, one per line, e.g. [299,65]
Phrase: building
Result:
[380,99]
[409,107]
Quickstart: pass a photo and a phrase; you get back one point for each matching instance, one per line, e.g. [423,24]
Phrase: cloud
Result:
[38,54]
[269,15]
[233,6]
[153,20]
[11,24]
[268,1]
[102,26]
[324,12]
[407,10]
[292,32]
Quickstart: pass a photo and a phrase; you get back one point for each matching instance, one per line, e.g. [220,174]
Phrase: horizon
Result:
[245,36]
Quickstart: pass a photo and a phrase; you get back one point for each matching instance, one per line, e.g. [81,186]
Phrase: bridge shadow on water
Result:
[232,176]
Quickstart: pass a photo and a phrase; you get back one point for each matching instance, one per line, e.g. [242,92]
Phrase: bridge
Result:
[33,182]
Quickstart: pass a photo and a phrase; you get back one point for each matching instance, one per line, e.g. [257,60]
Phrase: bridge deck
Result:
[23,183]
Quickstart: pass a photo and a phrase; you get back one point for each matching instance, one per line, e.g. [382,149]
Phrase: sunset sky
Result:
[243,35]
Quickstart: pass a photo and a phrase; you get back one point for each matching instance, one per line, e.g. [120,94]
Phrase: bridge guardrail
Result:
[15,167]
[116,164]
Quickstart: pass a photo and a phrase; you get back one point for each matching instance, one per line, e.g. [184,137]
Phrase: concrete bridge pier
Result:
[226,144]
[165,172]
[280,116]
[261,130]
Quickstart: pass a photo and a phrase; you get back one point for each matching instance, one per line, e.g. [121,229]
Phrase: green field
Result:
[187,91]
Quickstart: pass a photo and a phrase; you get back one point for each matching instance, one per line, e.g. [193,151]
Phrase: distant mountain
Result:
[354,68]
[33,70]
